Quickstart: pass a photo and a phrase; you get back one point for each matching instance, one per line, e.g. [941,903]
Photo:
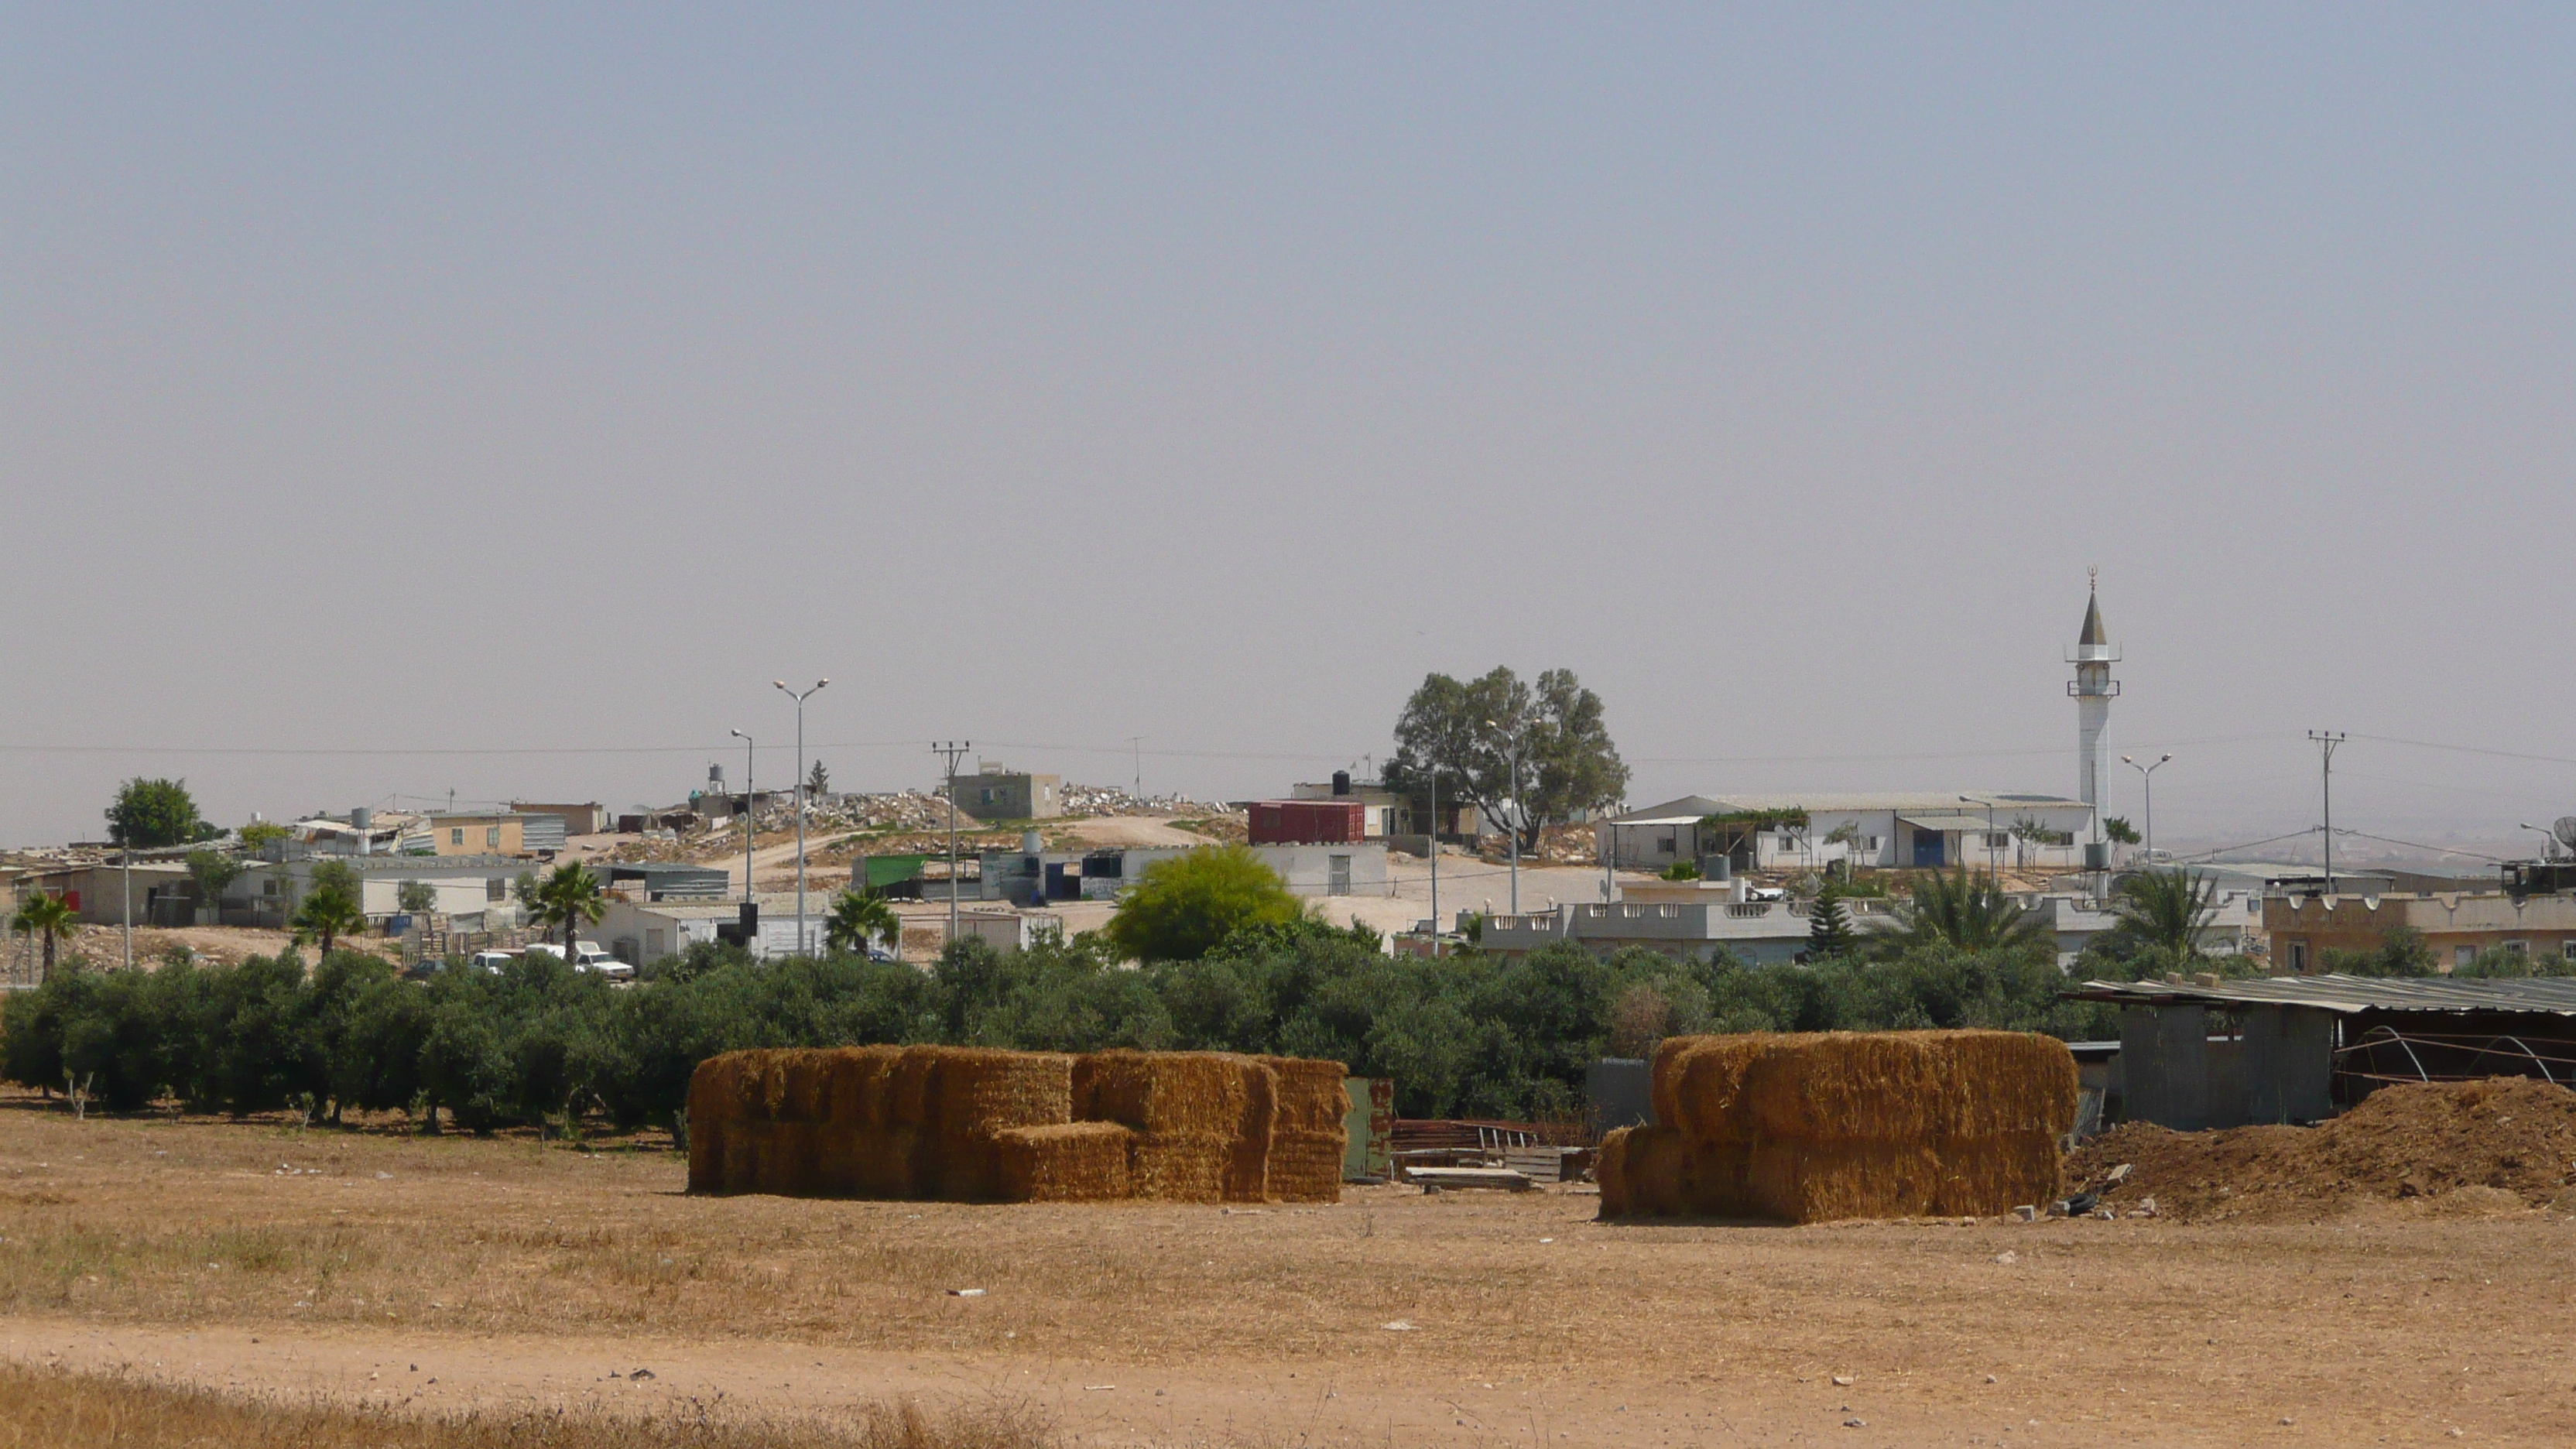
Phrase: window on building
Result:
[496,889]
[2463,955]
[456,836]
[1997,840]
[268,887]
[1664,845]
[2298,957]
[2567,950]
[2517,948]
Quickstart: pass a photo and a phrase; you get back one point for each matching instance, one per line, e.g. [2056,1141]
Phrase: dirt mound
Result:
[2486,1145]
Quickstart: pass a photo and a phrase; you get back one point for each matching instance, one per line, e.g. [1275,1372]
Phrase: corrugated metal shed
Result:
[2347,994]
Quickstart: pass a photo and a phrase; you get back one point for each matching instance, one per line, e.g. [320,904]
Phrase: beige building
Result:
[471,835]
[998,793]
[2456,925]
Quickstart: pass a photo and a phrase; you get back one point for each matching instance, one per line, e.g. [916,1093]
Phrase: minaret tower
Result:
[2093,689]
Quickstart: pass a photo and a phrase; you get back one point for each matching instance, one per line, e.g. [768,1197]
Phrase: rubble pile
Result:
[1094,800]
[2503,1143]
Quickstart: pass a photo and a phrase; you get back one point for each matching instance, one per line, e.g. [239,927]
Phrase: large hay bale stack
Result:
[1816,1126]
[1310,1133]
[970,1124]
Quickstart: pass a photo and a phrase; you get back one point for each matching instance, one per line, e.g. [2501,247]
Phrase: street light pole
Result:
[750,815]
[2548,840]
[1510,825]
[1137,743]
[800,802]
[2147,776]
[951,750]
[129,905]
[1994,867]
[1431,829]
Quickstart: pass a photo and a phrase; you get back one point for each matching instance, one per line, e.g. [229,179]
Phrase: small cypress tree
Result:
[1829,931]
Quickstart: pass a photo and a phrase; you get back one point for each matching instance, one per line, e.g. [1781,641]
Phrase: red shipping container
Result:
[1308,822]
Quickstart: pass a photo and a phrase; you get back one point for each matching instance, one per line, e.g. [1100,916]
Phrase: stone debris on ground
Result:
[2505,1144]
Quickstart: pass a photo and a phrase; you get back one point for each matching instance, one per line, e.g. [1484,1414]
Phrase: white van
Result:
[490,960]
[589,956]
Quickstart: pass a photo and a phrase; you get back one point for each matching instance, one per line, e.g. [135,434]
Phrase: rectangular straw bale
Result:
[912,1088]
[790,1159]
[1970,1176]
[713,1106]
[983,1092]
[857,1092]
[1161,1092]
[805,1079]
[883,1163]
[1909,1085]
[1306,1166]
[1702,1083]
[740,1170]
[1180,1166]
[1067,1162]
[1664,1172]
[1856,1086]
[1311,1095]
[1247,1171]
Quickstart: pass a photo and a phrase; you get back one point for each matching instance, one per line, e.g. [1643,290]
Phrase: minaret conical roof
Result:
[2093,632]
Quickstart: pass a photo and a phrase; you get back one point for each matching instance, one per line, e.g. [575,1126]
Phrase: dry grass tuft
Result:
[56,1409]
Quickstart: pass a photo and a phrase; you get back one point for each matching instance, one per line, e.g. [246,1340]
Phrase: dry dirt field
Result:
[446,1275]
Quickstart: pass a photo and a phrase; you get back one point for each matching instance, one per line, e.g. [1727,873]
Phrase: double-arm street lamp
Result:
[2147,776]
[801,948]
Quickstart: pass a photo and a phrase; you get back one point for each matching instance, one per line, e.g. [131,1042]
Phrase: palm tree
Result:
[570,897]
[330,908]
[1968,912]
[2166,908]
[49,917]
[858,917]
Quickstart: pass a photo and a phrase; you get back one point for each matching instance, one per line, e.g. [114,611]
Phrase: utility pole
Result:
[129,905]
[750,815]
[952,750]
[1432,834]
[1137,743]
[800,699]
[2326,741]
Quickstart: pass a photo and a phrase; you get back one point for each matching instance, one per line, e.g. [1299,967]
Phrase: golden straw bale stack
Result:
[1066,1162]
[977,1093]
[1941,1177]
[1664,1172]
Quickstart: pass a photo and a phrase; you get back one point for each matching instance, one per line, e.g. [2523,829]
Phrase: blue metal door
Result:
[1927,849]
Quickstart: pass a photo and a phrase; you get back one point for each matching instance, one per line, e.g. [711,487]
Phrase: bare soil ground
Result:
[256,1256]
[105,945]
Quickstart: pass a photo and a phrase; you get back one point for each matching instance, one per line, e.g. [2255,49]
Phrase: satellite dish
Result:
[2564,827]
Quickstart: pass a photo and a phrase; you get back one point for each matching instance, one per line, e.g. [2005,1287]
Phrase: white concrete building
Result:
[1923,829]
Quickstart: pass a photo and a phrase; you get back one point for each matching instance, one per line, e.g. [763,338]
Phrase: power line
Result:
[2204,855]
[2468,749]
[2419,845]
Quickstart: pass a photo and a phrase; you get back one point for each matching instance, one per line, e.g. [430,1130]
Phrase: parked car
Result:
[490,960]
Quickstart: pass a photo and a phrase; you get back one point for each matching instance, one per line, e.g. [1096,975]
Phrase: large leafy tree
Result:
[1464,734]
[331,907]
[569,897]
[49,919]
[150,814]
[1182,907]
[1963,912]
[2166,909]
[858,917]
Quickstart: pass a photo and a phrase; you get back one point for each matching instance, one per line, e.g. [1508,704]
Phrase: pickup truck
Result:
[589,956]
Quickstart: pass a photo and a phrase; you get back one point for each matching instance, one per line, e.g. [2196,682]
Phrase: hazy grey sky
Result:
[436,379]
